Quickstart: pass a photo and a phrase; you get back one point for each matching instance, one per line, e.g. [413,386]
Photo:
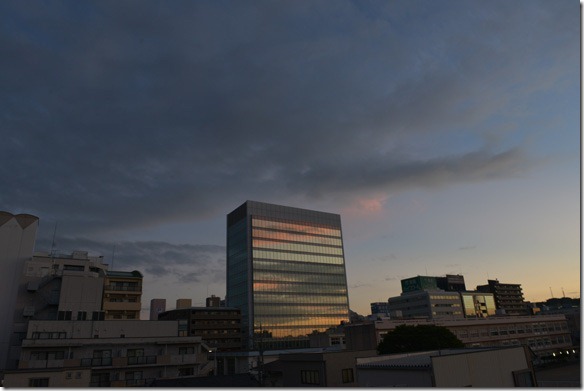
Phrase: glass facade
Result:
[286,272]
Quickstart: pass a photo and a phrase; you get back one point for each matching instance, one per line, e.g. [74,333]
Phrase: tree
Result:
[418,338]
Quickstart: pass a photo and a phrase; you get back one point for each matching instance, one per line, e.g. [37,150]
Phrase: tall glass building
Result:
[286,272]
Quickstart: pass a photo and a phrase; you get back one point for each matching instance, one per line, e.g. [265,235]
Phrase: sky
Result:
[445,133]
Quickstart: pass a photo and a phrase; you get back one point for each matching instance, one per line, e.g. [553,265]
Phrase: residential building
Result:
[122,295]
[157,306]
[425,303]
[107,354]
[17,237]
[56,287]
[543,334]
[508,297]
[285,272]
[219,327]
[449,368]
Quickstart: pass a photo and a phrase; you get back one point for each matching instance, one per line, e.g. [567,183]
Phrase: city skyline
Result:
[445,134]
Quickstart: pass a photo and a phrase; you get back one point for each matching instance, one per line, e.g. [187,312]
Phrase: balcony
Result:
[119,288]
[121,306]
[142,360]
[96,362]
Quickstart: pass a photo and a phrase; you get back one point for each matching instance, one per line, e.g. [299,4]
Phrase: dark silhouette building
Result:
[508,297]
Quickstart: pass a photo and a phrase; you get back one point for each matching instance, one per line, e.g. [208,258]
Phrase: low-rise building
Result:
[107,353]
[449,368]
[543,334]
[425,304]
[219,327]
[324,369]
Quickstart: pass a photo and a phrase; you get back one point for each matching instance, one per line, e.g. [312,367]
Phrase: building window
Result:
[48,355]
[38,382]
[135,352]
[190,371]
[69,375]
[309,377]
[98,315]
[82,315]
[348,375]
[186,350]
[64,315]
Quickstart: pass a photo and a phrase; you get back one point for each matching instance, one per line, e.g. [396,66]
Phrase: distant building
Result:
[543,334]
[157,306]
[508,297]
[449,283]
[183,304]
[17,237]
[478,304]
[431,304]
[122,297]
[286,272]
[213,301]
[219,327]
[106,354]
[380,308]
[449,368]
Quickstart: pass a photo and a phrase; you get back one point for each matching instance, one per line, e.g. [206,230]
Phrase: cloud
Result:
[468,247]
[154,259]
[132,115]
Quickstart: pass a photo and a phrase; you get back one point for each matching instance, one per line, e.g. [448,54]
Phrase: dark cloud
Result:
[153,259]
[117,115]
[468,247]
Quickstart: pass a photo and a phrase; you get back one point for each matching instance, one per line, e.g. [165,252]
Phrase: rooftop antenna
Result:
[551,292]
[563,294]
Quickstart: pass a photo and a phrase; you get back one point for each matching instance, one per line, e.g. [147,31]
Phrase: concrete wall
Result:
[78,378]
[370,377]
[480,369]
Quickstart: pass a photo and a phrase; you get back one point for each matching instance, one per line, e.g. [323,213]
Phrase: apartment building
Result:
[219,327]
[122,295]
[107,354]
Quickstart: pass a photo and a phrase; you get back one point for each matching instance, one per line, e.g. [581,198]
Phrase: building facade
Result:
[543,334]
[508,297]
[219,327]
[380,308]
[425,304]
[285,272]
[157,306]
[122,297]
[107,354]
[56,287]
[17,237]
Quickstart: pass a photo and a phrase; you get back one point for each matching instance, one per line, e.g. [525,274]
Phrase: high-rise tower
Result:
[286,272]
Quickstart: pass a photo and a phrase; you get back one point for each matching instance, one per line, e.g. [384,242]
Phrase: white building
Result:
[17,237]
